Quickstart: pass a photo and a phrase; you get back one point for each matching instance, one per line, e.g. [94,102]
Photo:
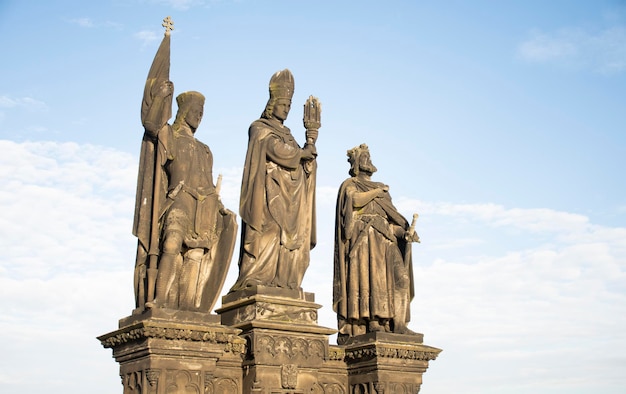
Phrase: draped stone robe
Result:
[368,259]
[277,208]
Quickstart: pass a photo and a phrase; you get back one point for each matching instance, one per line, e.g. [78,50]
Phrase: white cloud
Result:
[68,205]
[546,302]
[542,47]
[83,22]
[28,103]
[147,36]
[182,4]
[603,51]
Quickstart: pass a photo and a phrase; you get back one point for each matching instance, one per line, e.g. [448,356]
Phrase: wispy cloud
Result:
[535,220]
[602,51]
[67,219]
[147,36]
[89,23]
[83,22]
[28,103]
[182,4]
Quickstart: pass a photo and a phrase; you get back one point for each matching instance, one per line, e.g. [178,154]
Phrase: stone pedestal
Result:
[167,351]
[268,342]
[286,349]
[386,363]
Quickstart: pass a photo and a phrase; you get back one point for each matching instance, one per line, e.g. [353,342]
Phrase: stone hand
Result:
[411,236]
[164,89]
[311,135]
[309,152]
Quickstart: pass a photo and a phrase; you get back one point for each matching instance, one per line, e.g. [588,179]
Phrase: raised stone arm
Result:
[154,118]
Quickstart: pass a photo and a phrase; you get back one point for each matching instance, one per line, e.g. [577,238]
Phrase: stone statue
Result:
[185,235]
[277,204]
[373,276]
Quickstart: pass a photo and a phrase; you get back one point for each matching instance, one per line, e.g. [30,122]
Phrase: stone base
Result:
[167,351]
[268,342]
[386,363]
[286,347]
[265,305]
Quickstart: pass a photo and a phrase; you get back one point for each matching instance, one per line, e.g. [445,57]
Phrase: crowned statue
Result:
[373,271]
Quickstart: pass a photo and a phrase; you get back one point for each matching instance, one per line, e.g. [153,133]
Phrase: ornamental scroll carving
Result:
[385,388]
[333,388]
[389,352]
[184,382]
[336,353]
[214,385]
[274,312]
[290,348]
[230,342]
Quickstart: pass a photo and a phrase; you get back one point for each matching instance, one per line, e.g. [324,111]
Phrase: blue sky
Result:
[503,124]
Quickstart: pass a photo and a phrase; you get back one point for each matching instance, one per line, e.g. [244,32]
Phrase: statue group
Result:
[186,236]
[264,339]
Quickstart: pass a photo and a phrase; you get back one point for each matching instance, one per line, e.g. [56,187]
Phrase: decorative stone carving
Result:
[227,386]
[152,375]
[289,376]
[132,382]
[268,304]
[147,329]
[400,361]
[334,388]
[183,382]
[405,354]
[289,348]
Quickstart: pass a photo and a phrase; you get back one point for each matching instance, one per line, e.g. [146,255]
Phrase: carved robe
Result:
[371,265]
[277,208]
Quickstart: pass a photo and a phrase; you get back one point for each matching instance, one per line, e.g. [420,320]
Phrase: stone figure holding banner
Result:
[277,205]
[185,235]
[373,276]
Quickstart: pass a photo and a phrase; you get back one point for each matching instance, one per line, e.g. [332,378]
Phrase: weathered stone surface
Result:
[265,338]
[277,202]
[169,351]
[381,362]
[185,234]
[373,270]
[262,306]
[286,348]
